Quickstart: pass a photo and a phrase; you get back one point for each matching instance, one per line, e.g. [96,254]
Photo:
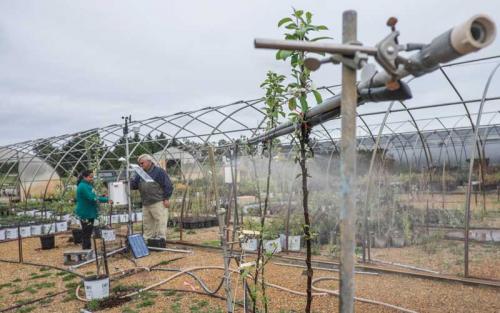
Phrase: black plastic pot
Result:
[47,242]
[77,236]
[97,232]
[157,242]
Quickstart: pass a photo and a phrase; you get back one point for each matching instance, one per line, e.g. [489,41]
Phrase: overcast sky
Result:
[67,66]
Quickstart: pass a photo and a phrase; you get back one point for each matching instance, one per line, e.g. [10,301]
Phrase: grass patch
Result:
[176,307]
[71,285]
[129,310]
[46,301]
[68,277]
[6,285]
[147,299]
[21,302]
[44,284]
[31,290]
[17,291]
[145,303]
[169,293]
[92,305]
[38,276]
[44,269]
[61,273]
[25,309]
[211,243]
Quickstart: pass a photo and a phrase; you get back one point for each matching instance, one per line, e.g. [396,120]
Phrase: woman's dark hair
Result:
[84,173]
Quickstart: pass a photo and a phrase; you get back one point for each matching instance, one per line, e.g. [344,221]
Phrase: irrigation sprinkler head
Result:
[476,33]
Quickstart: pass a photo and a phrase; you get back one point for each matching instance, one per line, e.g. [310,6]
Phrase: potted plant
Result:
[47,239]
[271,240]
[295,231]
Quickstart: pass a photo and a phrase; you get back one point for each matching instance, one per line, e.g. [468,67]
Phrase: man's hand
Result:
[166,203]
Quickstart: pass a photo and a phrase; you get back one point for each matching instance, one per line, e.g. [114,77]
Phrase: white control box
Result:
[118,193]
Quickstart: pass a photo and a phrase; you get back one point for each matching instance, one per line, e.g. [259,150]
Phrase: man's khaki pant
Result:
[155,218]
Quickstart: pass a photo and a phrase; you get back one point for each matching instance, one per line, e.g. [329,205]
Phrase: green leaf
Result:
[308,17]
[283,54]
[284,20]
[303,104]
[292,104]
[321,38]
[298,13]
[321,27]
[318,97]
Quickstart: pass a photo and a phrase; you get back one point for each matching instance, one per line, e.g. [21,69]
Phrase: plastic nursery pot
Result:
[36,230]
[157,242]
[97,232]
[77,235]
[47,241]
[96,287]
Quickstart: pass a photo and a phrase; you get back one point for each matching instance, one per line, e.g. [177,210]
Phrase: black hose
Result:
[32,301]
[45,265]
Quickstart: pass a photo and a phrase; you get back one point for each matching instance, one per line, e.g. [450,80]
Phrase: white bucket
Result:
[293,242]
[123,218]
[11,233]
[36,230]
[108,234]
[96,288]
[66,217]
[61,226]
[25,231]
[2,234]
[249,245]
[272,246]
[138,216]
[115,219]
[49,228]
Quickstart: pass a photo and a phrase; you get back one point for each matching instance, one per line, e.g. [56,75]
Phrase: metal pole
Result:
[127,175]
[348,170]
[20,244]
[220,214]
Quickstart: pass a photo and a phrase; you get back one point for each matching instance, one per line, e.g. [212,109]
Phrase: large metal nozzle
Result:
[476,33]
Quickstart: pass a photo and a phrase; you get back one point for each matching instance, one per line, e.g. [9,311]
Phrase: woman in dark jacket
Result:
[86,205]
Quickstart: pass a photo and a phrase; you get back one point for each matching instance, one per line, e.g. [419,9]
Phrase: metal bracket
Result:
[387,52]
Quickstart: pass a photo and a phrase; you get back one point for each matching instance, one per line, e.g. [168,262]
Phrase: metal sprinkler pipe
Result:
[474,34]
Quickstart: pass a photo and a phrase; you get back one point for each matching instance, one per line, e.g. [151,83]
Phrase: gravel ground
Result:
[421,295]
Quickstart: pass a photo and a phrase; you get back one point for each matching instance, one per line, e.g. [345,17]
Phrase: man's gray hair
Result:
[145,157]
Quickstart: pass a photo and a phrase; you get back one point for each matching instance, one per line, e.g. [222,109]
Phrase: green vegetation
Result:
[38,276]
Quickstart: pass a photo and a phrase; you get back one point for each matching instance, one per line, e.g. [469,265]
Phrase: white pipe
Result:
[171,250]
